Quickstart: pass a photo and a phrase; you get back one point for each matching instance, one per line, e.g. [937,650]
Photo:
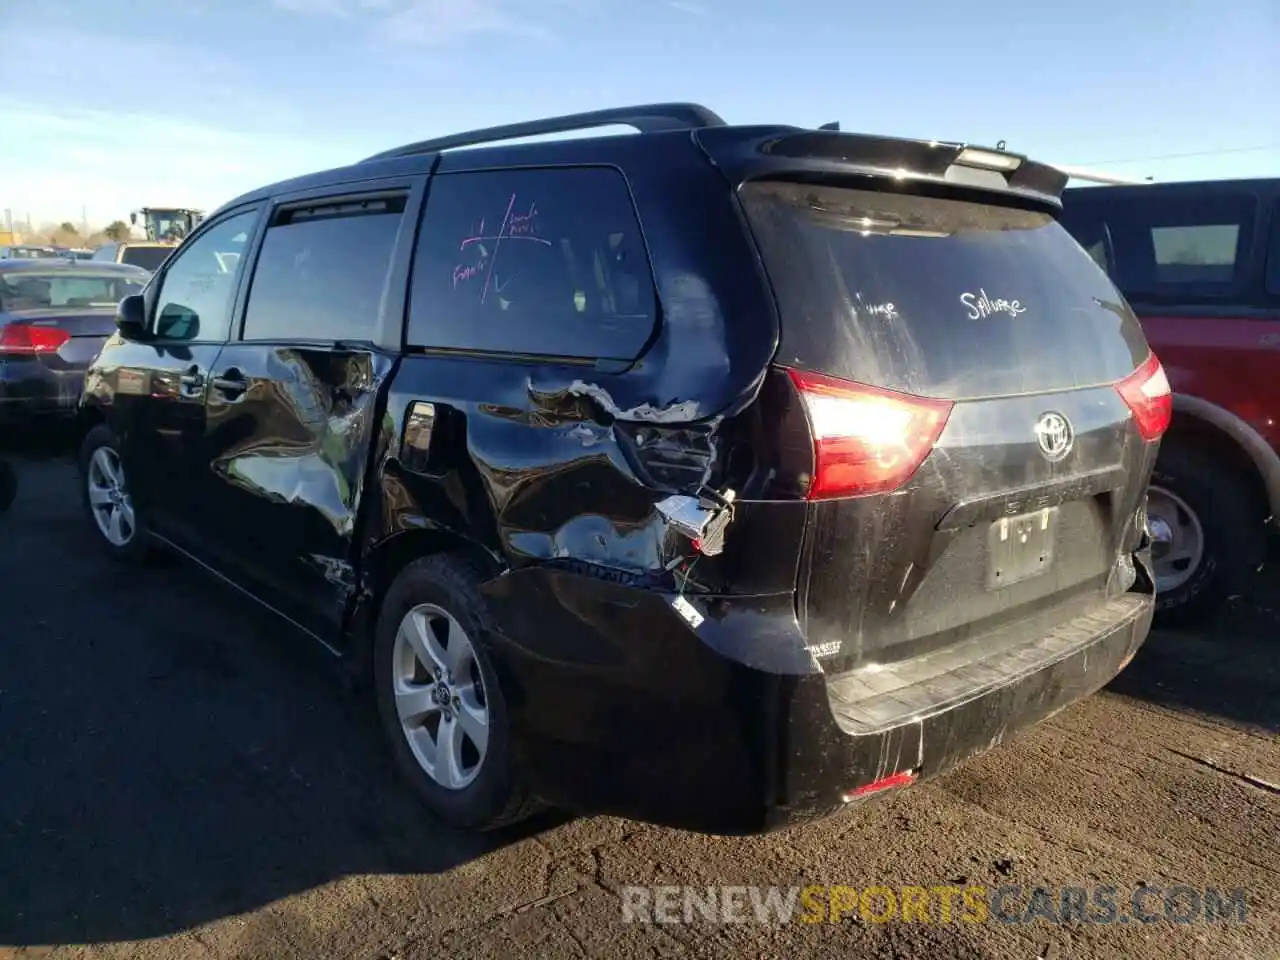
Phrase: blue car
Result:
[55,315]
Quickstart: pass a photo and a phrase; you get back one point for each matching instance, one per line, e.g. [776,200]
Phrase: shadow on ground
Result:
[1229,668]
[170,756]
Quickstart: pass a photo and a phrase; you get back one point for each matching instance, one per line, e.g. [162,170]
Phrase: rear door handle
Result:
[191,380]
[231,382]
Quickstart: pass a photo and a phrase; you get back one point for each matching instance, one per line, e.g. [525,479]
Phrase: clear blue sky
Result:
[118,104]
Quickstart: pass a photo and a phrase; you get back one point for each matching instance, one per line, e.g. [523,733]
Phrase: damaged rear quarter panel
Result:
[527,465]
[561,462]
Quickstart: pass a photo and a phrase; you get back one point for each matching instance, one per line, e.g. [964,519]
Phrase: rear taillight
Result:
[865,439]
[26,338]
[1146,393]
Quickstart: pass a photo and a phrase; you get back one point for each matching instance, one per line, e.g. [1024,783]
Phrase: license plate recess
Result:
[1020,547]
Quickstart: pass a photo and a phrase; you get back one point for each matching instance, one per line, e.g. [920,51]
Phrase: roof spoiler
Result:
[1101,176]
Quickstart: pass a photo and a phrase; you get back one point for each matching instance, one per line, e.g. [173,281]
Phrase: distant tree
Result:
[117,230]
[68,227]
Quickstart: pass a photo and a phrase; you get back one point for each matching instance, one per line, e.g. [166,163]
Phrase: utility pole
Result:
[84,220]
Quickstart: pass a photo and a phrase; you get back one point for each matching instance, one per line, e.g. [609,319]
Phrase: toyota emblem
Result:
[1055,436]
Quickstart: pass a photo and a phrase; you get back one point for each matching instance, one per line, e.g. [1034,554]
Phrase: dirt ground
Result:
[180,777]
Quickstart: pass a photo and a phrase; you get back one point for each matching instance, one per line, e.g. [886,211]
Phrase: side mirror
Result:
[131,317]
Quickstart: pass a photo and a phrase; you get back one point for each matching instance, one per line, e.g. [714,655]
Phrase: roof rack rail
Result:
[646,118]
[1101,176]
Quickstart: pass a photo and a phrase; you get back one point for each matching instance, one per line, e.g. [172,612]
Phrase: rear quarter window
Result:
[545,262]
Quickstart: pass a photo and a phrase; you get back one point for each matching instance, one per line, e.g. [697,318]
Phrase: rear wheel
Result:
[441,707]
[1207,534]
[105,492]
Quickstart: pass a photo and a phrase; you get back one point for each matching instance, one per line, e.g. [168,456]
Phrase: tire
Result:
[497,794]
[8,485]
[1220,502]
[136,548]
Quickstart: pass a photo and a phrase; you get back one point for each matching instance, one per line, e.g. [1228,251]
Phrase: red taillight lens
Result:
[1146,392]
[866,440]
[25,338]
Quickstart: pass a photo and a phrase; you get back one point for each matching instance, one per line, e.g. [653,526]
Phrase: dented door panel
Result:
[287,452]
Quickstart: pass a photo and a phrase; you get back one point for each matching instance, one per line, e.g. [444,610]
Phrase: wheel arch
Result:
[1199,422]
[385,559]
[89,415]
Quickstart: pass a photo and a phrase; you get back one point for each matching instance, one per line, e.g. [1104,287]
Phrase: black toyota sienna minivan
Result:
[716,476]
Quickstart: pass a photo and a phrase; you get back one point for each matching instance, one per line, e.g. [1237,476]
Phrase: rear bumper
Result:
[622,707]
[30,391]
[822,768]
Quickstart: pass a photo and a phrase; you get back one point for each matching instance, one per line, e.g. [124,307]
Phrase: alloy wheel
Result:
[109,497]
[439,696]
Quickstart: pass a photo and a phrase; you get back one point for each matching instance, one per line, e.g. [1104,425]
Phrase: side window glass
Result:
[1204,251]
[1183,248]
[547,262]
[194,300]
[322,271]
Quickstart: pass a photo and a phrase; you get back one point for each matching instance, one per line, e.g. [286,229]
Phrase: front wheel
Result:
[105,493]
[1207,535]
[442,709]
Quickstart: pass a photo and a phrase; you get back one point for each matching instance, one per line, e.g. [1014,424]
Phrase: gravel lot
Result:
[180,777]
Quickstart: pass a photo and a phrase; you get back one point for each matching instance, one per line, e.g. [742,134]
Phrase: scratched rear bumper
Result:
[821,769]
[622,707]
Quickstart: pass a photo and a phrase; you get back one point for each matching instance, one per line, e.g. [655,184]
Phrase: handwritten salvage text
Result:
[981,306]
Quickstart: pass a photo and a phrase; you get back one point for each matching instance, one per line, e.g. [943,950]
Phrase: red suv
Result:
[1200,265]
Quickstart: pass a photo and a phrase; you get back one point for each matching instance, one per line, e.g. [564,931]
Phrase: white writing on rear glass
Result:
[887,310]
[980,305]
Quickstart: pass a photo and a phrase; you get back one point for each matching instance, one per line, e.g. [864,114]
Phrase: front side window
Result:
[322,271]
[545,262]
[196,291]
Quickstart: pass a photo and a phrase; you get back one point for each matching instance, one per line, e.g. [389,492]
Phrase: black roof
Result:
[667,130]
[47,264]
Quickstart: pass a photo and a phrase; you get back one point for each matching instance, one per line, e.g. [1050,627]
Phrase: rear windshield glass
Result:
[149,258]
[937,297]
[39,291]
